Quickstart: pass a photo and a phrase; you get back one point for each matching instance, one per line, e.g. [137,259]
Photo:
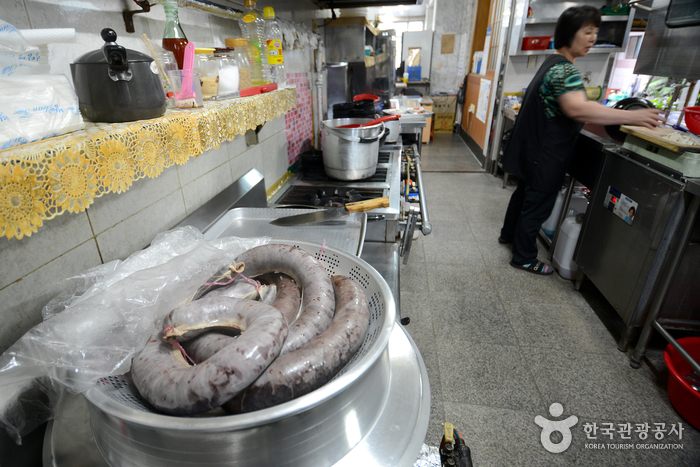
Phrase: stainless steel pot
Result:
[351,153]
[394,127]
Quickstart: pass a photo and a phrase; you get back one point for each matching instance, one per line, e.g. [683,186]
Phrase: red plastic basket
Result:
[692,119]
[684,398]
[536,42]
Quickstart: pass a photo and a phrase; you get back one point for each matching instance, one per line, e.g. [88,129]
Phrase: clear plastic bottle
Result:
[253,27]
[174,38]
[275,57]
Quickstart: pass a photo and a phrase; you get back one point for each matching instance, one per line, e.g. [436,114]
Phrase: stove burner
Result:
[334,197]
[313,171]
[327,196]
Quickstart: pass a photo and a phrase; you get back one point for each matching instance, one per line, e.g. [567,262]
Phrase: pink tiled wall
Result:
[299,123]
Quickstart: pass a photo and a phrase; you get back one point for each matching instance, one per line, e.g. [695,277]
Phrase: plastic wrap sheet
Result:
[102,319]
[17,56]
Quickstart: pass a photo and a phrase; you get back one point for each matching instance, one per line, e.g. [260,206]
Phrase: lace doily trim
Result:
[42,180]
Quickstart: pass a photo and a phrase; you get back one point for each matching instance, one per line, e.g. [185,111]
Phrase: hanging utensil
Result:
[373,122]
[333,213]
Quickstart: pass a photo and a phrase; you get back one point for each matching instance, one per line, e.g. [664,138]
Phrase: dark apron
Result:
[540,150]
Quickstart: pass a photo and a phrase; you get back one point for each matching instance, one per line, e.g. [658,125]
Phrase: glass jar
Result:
[205,61]
[237,50]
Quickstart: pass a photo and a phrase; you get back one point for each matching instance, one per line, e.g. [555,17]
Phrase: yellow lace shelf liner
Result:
[42,180]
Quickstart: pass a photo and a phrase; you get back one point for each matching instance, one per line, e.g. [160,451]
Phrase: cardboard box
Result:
[428,121]
[444,104]
[443,123]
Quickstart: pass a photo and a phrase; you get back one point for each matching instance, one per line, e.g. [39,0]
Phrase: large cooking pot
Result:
[114,84]
[351,153]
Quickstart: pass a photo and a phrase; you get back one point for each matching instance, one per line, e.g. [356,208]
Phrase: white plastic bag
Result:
[17,56]
[35,107]
[96,333]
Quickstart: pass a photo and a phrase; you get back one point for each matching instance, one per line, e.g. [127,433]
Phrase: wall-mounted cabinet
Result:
[612,36]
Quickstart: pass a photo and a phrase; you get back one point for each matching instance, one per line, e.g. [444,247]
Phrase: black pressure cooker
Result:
[115,84]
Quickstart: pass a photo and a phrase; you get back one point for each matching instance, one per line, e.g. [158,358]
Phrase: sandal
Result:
[537,267]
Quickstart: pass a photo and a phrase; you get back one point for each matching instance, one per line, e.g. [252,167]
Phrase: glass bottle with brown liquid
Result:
[174,38]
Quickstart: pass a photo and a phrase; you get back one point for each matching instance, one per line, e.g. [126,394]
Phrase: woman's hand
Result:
[575,105]
[649,118]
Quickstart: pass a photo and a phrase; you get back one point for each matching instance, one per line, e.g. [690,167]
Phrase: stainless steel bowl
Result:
[317,429]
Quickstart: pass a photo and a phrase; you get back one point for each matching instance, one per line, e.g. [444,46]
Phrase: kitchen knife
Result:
[332,213]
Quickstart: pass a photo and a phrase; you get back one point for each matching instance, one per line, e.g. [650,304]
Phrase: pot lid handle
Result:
[114,54]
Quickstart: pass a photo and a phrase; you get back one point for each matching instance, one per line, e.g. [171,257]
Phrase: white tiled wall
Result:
[33,269]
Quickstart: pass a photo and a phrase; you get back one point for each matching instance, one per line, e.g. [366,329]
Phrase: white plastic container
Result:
[562,260]
[578,203]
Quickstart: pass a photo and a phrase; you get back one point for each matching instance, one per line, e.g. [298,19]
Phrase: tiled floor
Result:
[439,155]
[501,345]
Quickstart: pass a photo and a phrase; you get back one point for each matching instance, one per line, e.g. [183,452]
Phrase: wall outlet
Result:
[532,61]
[439,65]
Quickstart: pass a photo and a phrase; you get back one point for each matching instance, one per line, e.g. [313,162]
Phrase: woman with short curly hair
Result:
[555,108]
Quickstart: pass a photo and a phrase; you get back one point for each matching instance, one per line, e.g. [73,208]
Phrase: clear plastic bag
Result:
[17,56]
[103,319]
[35,107]
[35,104]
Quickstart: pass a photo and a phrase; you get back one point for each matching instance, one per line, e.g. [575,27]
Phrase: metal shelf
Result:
[595,50]
[605,19]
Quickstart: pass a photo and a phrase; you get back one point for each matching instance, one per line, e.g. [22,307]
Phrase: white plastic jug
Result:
[562,260]
[578,203]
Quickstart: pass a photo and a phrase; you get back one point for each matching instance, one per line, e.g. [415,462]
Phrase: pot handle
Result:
[353,139]
[115,55]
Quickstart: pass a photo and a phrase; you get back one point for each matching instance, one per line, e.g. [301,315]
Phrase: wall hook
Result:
[129,14]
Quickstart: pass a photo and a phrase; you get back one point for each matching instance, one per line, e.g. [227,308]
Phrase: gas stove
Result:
[398,177]
[311,187]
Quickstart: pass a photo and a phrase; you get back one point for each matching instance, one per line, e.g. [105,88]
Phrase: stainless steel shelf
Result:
[595,50]
[605,19]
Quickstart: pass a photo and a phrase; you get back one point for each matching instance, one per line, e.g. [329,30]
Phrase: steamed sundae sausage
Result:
[318,302]
[288,297]
[287,302]
[172,386]
[300,372]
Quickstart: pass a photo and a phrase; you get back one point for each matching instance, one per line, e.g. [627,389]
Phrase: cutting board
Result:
[656,136]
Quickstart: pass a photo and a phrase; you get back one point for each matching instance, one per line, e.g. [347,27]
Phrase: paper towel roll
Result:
[48,36]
